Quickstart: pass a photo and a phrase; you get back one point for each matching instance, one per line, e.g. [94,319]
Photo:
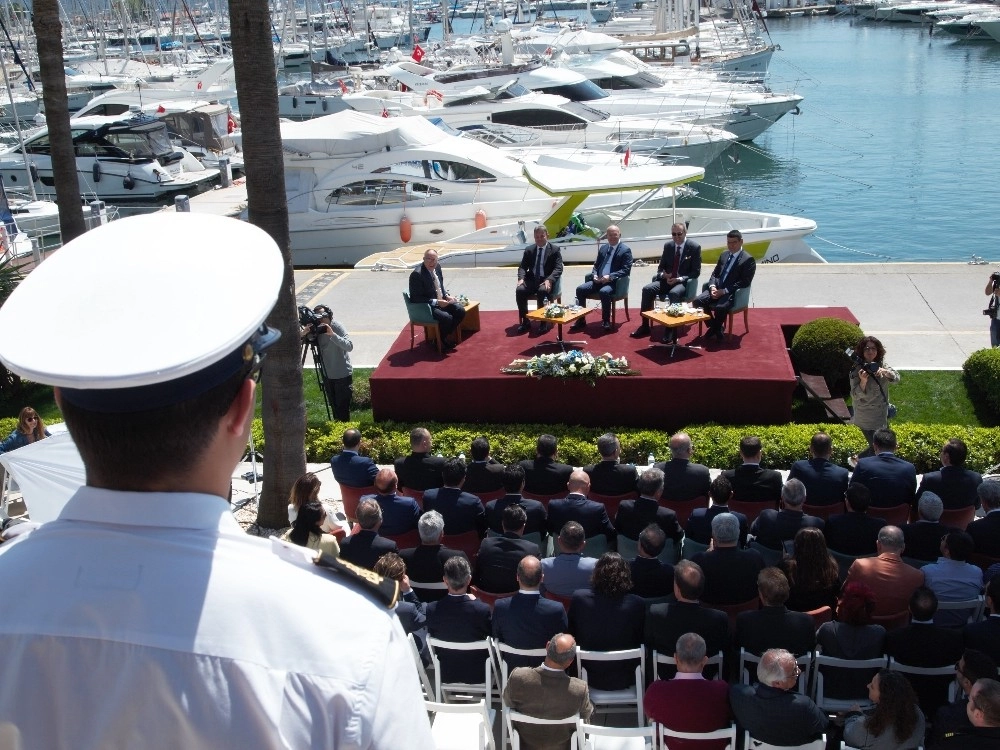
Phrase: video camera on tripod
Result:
[311,320]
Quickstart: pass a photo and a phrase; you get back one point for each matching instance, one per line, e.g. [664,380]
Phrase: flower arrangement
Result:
[555,311]
[571,364]
[677,311]
[463,300]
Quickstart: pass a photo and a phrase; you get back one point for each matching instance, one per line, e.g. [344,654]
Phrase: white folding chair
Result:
[728,733]
[749,743]
[946,673]
[974,607]
[419,586]
[805,666]
[615,700]
[500,649]
[511,716]
[594,737]
[425,681]
[832,705]
[659,659]
[444,690]
[461,726]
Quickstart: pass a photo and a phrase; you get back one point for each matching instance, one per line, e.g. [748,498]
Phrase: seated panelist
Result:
[539,272]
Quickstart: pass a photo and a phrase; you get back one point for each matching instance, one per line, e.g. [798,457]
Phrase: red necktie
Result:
[677,260]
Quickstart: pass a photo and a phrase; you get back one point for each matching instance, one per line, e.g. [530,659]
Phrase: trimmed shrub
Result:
[982,374]
[818,348]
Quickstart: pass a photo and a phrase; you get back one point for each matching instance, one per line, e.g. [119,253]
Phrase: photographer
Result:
[335,347]
[991,289]
[870,379]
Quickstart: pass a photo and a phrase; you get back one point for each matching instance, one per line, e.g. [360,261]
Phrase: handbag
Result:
[891,412]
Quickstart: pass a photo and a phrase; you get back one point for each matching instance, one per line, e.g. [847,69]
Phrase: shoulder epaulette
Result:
[386,590]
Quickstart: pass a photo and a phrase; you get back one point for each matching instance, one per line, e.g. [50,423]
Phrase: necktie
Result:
[725,273]
[437,285]
[678,249]
[539,263]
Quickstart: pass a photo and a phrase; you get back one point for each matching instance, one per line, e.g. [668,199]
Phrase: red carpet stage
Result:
[747,379]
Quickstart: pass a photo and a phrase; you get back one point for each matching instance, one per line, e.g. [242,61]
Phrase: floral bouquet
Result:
[555,311]
[677,311]
[571,364]
[463,300]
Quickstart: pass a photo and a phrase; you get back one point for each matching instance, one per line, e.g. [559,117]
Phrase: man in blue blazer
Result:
[460,618]
[527,619]
[681,261]
[734,271]
[427,285]
[364,547]
[462,512]
[591,515]
[350,468]
[614,260]
[825,482]
[399,513]
[953,483]
[891,479]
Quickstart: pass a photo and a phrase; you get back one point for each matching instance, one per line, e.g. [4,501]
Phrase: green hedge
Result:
[818,347]
[715,446]
[982,372]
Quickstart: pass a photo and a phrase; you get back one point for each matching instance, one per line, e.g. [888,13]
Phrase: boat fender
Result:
[405,229]
[231,125]
[4,244]
[796,111]
[480,219]
[323,103]
[33,171]
[97,171]
[128,182]
[685,140]
[295,102]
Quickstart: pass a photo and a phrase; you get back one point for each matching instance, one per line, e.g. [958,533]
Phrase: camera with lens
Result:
[308,317]
[870,367]
[996,277]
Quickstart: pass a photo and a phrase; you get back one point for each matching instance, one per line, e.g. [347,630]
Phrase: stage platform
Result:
[746,379]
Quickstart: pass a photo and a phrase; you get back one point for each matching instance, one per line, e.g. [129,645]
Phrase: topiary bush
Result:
[818,348]
[982,374]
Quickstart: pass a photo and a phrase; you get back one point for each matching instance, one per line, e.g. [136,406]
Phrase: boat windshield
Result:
[638,80]
[583,91]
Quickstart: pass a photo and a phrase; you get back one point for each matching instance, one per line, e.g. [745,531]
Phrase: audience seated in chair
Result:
[399,513]
[349,467]
[683,480]
[986,531]
[891,479]
[365,546]
[425,564]
[923,537]
[851,636]
[730,573]
[699,525]
[854,532]
[953,483]
[635,515]
[750,482]
[953,719]
[651,577]
[420,470]
[568,570]
[985,634]
[543,475]
[773,528]
[512,477]
[410,611]
[462,511]
[984,715]
[825,481]
[307,529]
[812,572]
[459,618]
[774,625]
[499,556]
[591,515]
[527,619]
[609,476]
[891,579]
[895,721]
[953,579]
[483,473]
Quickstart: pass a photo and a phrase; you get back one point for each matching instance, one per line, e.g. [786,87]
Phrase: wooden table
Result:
[674,322]
[471,320]
[568,316]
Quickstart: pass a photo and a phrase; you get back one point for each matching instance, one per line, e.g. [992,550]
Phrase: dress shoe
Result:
[524,327]
[545,327]
[606,325]
[577,326]
[640,332]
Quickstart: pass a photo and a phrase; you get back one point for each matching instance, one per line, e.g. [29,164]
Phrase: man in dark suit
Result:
[460,618]
[734,271]
[399,513]
[351,469]
[527,619]
[891,479]
[681,260]
[496,565]
[924,644]
[427,285]
[614,260]
[462,512]
[689,703]
[666,622]
[610,477]
[365,546]
[772,528]
[985,634]
[773,711]
[547,692]
[730,573]
[825,482]
[699,525]
[923,537]
[854,532]
[985,532]
[539,272]
[513,483]
[750,482]
[682,479]
[483,473]
[576,507]
[954,717]
[543,475]
[953,483]
[774,625]
[651,578]
[635,515]
[420,470]
[425,564]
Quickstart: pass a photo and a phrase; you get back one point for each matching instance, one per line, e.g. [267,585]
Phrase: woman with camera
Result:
[991,290]
[870,379]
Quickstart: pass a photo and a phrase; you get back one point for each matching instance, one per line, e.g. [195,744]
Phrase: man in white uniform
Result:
[145,616]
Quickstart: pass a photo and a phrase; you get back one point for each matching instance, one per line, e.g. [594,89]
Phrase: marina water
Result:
[895,154]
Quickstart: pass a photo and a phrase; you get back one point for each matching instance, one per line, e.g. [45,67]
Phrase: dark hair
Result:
[735,233]
[38,431]
[546,446]
[859,496]
[689,579]
[529,577]
[612,576]
[480,449]
[721,490]
[135,450]
[978,665]
[652,540]
[512,477]
[856,604]
[303,490]
[923,603]
[650,482]
[811,566]
[572,535]
[885,438]
[896,707]
[390,565]
[352,438]
[859,348]
[821,444]
[417,436]
[773,587]
[750,445]
[453,471]
[960,545]
[957,452]
[307,522]
[514,518]
[993,592]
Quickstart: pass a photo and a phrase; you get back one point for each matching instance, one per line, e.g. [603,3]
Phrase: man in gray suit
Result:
[547,692]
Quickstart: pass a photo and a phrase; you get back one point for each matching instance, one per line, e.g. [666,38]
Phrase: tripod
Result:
[309,343]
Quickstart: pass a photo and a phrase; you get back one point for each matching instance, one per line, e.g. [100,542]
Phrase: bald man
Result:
[591,515]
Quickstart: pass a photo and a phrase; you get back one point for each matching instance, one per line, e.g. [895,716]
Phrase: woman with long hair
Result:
[307,530]
[870,388]
[306,488]
[812,572]
[30,429]
[894,723]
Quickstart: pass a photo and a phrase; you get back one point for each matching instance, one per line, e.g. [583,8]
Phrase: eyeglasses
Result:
[31,419]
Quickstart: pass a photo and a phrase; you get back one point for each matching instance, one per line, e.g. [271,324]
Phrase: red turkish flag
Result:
[418,53]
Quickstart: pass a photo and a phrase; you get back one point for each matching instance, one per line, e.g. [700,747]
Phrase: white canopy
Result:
[351,133]
[48,473]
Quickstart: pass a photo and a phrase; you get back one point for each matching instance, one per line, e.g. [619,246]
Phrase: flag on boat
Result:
[385,112]
[756,9]
[628,155]
[418,53]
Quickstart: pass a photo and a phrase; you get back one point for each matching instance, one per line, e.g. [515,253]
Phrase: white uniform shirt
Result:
[152,620]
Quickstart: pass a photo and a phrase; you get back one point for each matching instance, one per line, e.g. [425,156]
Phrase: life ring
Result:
[231,125]
[480,219]
[405,229]
[433,93]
